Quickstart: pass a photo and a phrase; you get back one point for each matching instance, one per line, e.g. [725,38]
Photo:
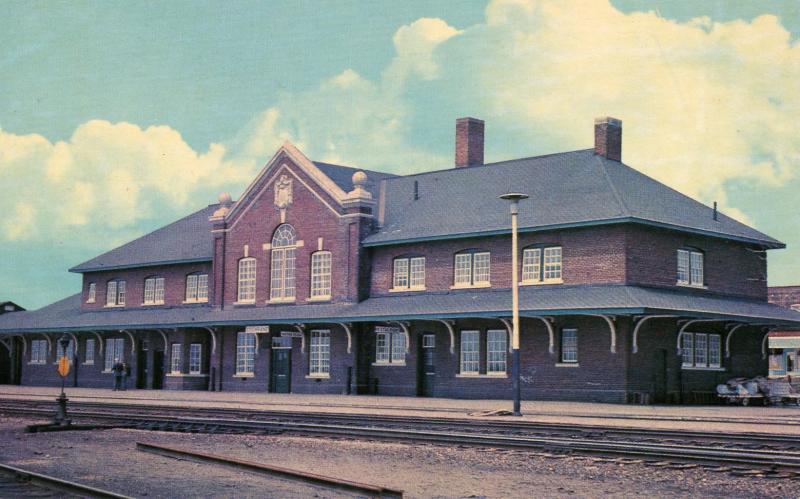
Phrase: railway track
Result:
[704,448]
[18,483]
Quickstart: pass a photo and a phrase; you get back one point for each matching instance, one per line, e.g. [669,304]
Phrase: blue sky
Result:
[119,117]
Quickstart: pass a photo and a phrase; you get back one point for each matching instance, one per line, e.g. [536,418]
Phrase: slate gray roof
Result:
[556,300]
[343,177]
[566,189]
[189,239]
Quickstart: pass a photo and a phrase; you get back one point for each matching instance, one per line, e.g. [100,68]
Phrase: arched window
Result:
[283,263]
[247,280]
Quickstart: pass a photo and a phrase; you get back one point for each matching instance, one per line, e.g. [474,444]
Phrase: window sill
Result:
[113,306]
[567,364]
[541,283]
[319,298]
[471,286]
[154,304]
[275,301]
[693,368]
[389,364]
[192,302]
[107,371]
[87,363]
[244,375]
[37,363]
[90,302]
[407,290]
[318,376]
[183,375]
[694,286]
[244,303]
[479,375]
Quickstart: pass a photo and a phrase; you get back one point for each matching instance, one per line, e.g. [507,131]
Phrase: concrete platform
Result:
[781,419]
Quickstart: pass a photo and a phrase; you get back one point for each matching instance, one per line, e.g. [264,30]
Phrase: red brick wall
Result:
[174,283]
[311,219]
[785,296]
[730,267]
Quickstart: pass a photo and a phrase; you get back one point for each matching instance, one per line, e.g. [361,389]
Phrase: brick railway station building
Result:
[330,279]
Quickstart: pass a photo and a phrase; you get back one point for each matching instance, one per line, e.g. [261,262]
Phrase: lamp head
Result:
[513,196]
[64,341]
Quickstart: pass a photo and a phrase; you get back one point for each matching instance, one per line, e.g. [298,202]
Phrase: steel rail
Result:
[285,473]
[58,484]
[772,460]
[751,438]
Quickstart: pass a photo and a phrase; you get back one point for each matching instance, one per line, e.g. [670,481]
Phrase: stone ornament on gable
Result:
[283,192]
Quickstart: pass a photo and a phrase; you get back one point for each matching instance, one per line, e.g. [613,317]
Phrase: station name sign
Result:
[257,329]
[291,334]
[386,329]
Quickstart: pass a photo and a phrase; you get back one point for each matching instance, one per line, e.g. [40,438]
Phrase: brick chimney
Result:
[469,142]
[608,138]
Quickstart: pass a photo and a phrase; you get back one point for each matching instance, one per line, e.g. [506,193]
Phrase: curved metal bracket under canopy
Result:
[349,333]
[639,325]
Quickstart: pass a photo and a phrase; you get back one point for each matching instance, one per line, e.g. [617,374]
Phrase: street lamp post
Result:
[61,418]
[515,198]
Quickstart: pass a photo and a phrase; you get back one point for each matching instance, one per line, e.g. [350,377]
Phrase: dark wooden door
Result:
[158,370]
[660,377]
[426,370]
[141,368]
[280,370]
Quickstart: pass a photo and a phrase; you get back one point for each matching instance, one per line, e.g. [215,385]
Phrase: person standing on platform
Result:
[118,371]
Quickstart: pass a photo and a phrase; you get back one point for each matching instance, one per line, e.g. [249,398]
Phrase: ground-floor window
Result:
[701,350]
[320,353]
[176,358]
[195,358]
[114,351]
[88,356]
[245,353]
[569,345]
[390,346]
[38,351]
[470,352]
[496,348]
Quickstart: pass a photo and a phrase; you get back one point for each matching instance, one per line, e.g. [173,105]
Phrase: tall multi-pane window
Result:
[197,288]
[154,291]
[569,345]
[409,273]
[195,358]
[320,362]
[88,356]
[321,275]
[247,281]
[470,352]
[114,352]
[690,268]
[496,346]
[38,351]
[176,358]
[282,286]
[472,269]
[390,346]
[115,293]
[91,296]
[700,349]
[714,350]
[541,265]
[687,349]
[245,353]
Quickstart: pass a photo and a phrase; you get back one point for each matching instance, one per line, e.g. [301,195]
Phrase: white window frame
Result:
[714,350]
[472,269]
[390,348]
[496,351]
[246,280]
[701,351]
[39,351]
[531,265]
[92,293]
[542,265]
[115,349]
[428,340]
[245,353]
[408,273]
[195,358]
[196,288]
[176,358]
[154,291]
[691,268]
[88,356]
[321,266]
[471,356]
[115,293]
[320,354]
[283,264]
[569,346]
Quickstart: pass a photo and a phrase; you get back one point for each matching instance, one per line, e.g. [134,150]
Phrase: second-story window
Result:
[282,284]
[115,293]
[321,275]
[472,269]
[92,294]
[541,265]
[197,288]
[154,291]
[408,273]
[247,281]
[690,268]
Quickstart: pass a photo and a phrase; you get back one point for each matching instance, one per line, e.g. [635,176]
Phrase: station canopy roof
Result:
[65,315]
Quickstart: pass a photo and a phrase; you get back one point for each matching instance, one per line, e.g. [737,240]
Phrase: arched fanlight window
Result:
[282,285]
